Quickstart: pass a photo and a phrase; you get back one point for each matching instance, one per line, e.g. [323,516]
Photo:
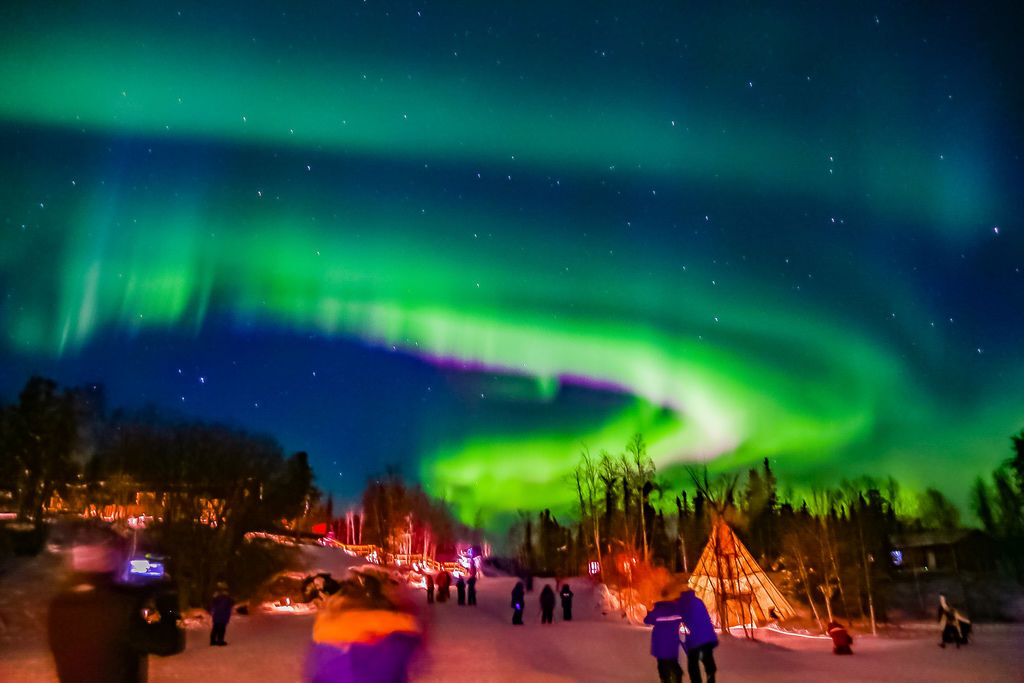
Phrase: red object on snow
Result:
[841,639]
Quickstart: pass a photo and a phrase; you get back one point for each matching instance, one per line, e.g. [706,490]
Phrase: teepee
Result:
[735,589]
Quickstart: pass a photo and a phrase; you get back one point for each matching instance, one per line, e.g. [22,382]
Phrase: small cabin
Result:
[947,551]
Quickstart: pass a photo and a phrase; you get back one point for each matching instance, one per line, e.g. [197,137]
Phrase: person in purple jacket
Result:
[666,620]
[700,639]
[367,632]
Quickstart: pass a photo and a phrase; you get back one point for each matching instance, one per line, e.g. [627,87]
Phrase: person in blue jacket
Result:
[666,620]
[701,639]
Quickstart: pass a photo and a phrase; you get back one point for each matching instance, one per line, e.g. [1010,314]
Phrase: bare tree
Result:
[795,543]
[608,474]
[641,467]
[824,507]
[853,499]
[586,477]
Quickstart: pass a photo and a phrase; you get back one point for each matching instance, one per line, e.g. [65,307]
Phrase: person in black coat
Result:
[220,610]
[547,605]
[566,594]
[471,591]
[430,589]
[460,588]
[444,582]
[518,602]
[955,628]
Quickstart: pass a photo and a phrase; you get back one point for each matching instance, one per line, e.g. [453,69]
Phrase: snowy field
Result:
[480,644]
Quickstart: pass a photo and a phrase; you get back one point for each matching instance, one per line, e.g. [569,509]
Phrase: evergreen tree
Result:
[753,501]
[607,472]
[38,436]
[1016,463]
[1000,507]
[982,503]
[936,512]
[213,485]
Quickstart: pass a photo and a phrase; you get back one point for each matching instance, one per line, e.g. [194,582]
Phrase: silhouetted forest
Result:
[202,486]
[838,551]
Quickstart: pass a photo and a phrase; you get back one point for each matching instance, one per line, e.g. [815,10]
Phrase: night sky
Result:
[467,238]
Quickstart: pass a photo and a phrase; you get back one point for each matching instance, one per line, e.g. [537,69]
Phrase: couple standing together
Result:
[666,617]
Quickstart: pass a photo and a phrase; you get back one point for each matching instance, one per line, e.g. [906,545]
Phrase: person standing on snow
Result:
[666,620]
[471,590]
[566,594]
[220,610]
[460,589]
[444,582]
[518,602]
[547,605]
[430,589]
[701,639]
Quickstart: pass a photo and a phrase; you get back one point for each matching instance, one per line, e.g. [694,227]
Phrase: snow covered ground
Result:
[480,644]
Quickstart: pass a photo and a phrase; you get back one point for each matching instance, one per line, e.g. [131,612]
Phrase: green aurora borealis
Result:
[547,230]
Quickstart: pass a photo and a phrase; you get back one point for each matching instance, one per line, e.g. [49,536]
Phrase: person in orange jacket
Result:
[366,633]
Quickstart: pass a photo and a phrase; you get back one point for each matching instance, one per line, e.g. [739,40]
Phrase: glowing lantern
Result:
[594,568]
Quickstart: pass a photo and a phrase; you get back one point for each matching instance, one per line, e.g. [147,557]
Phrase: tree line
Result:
[208,485]
[832,551]
[1000,506]
[400,518]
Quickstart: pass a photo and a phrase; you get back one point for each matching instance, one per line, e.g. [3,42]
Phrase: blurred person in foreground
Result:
[96,627]
[366,633]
